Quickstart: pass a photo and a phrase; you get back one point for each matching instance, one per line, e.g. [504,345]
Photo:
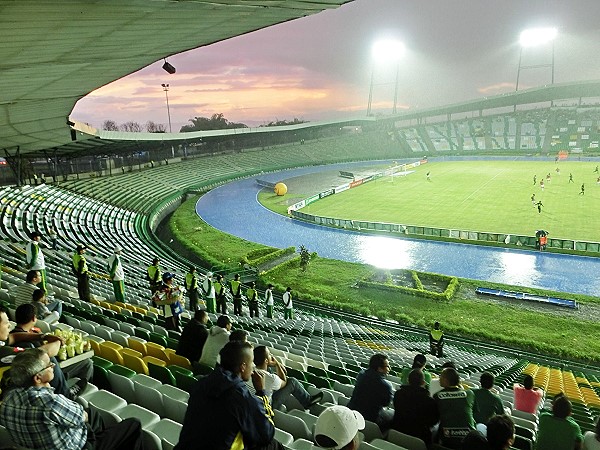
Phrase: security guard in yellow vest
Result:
[154,275]
[191,285]
[236,290]
[220,297]
[252,297]
[80,268]
[436,340]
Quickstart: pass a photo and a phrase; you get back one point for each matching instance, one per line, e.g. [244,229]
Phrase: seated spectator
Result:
[591,439]
[239,335]
[557,430]
[487,403]
[434,385]
[337,428]
[436,341]
[12,344]
[527,398]
[222,414]
[455,405]
[418,363]
[500,432]
[218,336]
[36,417]
[24,292]
[415,412]
[475,441]
[193,337]
[278,386]
[42,312]
[372,392]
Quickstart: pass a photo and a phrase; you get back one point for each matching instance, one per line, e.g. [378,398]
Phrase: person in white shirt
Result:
[218,336]
[269,301]
[278,386]
[591,439]
[208,292]
[35,257]
[117,274]
[288,312]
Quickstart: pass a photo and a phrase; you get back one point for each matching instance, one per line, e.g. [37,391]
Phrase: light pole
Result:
[534,37]
[385,51]
[165,87]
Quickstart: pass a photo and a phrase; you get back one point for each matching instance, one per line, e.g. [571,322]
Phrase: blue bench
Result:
[530,297]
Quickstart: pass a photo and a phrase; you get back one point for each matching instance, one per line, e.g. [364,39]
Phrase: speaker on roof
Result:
[168,68]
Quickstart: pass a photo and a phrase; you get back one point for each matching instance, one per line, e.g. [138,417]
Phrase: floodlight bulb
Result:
[537,36]
[388,50]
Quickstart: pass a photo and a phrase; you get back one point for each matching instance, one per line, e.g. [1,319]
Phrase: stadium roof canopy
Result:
[54,52]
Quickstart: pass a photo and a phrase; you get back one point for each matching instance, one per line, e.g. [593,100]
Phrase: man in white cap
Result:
[337,428]
[208,291]
[116,274]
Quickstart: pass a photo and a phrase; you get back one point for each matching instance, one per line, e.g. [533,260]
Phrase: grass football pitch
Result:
[486,196]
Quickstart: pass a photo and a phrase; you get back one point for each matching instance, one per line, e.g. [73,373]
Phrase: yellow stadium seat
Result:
[132,352]
[138,346]
[157,351]
[111,353]
[181,361]
[155,361]
[135,363]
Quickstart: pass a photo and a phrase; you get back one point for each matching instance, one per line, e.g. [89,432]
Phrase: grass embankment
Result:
[334,282]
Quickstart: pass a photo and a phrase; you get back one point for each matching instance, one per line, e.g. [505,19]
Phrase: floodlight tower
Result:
[385,51]
[534,37]
[165,87]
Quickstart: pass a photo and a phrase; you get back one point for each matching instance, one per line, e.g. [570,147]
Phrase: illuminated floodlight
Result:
[537,36]
[388,50]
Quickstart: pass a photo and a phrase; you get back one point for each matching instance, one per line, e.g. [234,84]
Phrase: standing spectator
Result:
[500,432]
[80,268]
[35,257]
[455,405]
[220,296]
[169,296]
[557,430]
[269,301]
[591,439]
[193,337]
[487,403]
[436,340]
[415,412]
[252,296]
[372,392]
[527,398]
[337,428]
[288,311]
[53,238]
[278,386]
[191,286]
[117,274]
[222,414]
[154,275]
[218,336]
[208,291]
[36,417]
[236,290]
[419,362]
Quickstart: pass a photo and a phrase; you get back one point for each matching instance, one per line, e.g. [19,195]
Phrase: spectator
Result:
[35,258]
[500,432]
[278,386]
[24,292]
[193,337]
[419,362]
[288,307]
[475,441]
[83,370]
[434,386]
[36,417]
[239,335]
[40,303]
[527,398]
[337,428]
[218,336]
[222,414]
[557,430]
[170,297]
[372,392]
[436,341]
[269,301]
[591,440]
[456,409]
[415,412]
[487,403]
[117,274]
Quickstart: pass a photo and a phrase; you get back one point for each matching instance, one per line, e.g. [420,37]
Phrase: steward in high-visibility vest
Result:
[80,268]
[436,340]
[154,275]
[236,290]
[252,296]
[191,285]
[220,297]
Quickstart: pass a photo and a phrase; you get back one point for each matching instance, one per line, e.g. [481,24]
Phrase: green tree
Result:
[215,122]
[304,258]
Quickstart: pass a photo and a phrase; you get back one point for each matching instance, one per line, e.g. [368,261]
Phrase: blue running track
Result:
[234,209]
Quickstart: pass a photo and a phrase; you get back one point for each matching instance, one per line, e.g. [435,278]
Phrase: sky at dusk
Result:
[319,67]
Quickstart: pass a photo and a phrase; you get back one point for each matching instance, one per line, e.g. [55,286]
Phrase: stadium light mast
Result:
[535,37]
[385,51]
[165,87]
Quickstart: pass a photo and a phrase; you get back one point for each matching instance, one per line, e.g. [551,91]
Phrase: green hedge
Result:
[419,290]
[267,256]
